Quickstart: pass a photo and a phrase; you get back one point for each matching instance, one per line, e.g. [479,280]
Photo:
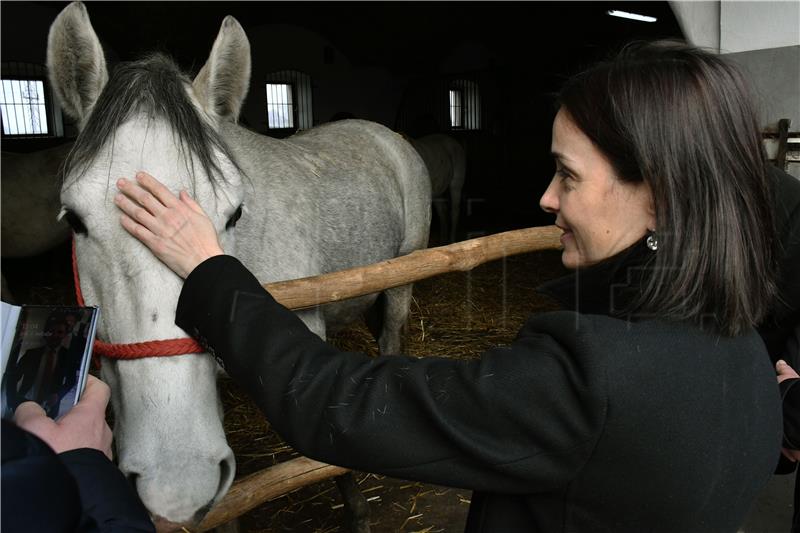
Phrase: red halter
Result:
[135,350]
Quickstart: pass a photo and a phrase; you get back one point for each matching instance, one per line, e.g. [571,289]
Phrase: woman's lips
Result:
[566,235]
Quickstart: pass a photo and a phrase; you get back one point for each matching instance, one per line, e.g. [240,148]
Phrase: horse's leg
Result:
[395,317]
[356,505]
[455,206]
[440,206]
[456,187]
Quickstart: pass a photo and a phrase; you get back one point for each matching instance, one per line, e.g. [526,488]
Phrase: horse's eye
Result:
[234,218]
[74,222]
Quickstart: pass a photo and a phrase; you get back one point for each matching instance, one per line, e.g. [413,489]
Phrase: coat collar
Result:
[606,288]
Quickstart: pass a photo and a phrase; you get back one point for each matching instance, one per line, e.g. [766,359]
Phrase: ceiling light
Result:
[634,16]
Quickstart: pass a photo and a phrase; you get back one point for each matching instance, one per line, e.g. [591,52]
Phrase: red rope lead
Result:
[136,350]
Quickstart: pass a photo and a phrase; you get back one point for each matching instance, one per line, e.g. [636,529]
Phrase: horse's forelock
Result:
[153,85]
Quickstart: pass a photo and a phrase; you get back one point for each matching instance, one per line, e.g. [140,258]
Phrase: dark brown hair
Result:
[681,119]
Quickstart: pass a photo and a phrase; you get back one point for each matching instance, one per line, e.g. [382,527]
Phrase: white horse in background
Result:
[30,189]
[344,194]
[446,161]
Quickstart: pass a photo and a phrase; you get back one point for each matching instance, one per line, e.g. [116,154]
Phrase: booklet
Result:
[47,350]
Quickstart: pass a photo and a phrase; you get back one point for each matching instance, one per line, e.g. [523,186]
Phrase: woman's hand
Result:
[786,372]
[84,426]
[176,229]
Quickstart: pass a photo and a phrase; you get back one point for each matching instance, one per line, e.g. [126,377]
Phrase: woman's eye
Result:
[563,173]
[75,222]
[234,218]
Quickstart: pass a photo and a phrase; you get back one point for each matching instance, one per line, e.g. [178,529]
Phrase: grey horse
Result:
[446,161]
[337,196]
[30,204]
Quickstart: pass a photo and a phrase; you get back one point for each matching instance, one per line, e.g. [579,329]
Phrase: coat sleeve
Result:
[790,392]
[80,490]
[521,418]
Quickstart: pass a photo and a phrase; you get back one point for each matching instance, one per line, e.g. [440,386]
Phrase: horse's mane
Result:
[152,85]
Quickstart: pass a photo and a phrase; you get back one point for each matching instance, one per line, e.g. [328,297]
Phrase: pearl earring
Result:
[652,240]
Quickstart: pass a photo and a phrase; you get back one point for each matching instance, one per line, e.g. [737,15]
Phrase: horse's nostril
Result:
[227,469]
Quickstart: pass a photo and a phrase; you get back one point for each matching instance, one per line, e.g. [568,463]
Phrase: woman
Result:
[649,403]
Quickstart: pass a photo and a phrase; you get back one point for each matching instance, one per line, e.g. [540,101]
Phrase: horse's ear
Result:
[222,83]
[76,64]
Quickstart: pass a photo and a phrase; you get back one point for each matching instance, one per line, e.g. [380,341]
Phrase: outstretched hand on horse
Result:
[174,228]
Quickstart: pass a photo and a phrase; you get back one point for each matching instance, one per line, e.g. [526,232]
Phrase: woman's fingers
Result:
[189,201]
[785,371]
[157,189]
[136,212]
[141,196]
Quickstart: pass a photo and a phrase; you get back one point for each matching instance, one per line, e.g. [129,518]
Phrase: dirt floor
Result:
[454,315]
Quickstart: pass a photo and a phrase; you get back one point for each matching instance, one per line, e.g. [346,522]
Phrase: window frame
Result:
[292,92]
[49,109]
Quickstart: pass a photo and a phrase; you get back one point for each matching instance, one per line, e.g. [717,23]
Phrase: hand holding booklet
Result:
[46,352]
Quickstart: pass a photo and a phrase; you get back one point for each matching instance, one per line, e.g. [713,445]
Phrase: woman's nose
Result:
[549,200]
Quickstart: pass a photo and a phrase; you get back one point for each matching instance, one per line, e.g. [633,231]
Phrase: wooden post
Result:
[251,491]
[466,255]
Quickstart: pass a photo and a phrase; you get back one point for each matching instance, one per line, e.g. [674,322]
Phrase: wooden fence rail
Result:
[255,489]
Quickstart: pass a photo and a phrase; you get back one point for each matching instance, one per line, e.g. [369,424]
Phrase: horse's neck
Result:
[257,153]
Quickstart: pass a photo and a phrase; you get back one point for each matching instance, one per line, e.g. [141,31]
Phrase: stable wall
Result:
[763,38]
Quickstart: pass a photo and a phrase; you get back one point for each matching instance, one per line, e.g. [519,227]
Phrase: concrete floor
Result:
[772,512]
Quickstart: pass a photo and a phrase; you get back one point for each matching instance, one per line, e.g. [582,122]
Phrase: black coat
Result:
[584,423]
[80,490]
[781,331]
[778,330]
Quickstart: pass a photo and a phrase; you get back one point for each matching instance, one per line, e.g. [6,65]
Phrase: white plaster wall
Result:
[699,22]
[763,38]
[757,25]
[774,74]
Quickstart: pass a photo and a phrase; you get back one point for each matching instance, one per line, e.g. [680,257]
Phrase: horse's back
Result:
[336,196]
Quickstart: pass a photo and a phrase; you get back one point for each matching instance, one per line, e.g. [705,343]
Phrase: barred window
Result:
[465,105]
[22,107]
[280,106]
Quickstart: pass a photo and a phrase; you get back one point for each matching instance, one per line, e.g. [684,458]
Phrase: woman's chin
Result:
[570,259]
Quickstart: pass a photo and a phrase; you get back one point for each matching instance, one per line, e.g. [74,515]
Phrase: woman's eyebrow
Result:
[559,155]
[563,160]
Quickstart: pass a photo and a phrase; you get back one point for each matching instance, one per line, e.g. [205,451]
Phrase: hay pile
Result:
[456,315]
